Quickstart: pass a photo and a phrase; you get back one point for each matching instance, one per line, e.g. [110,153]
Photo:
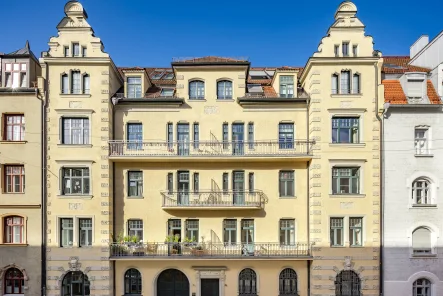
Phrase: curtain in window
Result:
[345,84]
[65,84]
[76,81]
[356,84]
[334,84]
[76,131]
[86,84]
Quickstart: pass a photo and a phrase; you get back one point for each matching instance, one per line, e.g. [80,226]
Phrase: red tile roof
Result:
[210,59]
[394,93]
[432,94]
[399,65]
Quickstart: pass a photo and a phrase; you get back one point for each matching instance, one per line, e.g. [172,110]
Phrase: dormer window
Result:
[75,49]
[167,92]
[286,86]
[134,87]
[415,89]
[15,75]
[345,49]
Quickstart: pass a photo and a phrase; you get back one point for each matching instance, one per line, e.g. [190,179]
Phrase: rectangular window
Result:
[135,228]
[14,227]
[135,136]
[170,183]
[356,83]
[167,92]
[75,131]
[66,51]
[415,89]
[334,84]
[345,82]
[230,231]
[15,127]
[196,90]
[286,184]
[75,181]
[15,79]
[336,228]
[337,50]
[8,79]
[225,136]
[345,49]
[355,50]
[170,135]
[175,228]
[192,230]
[345,180]
[286,135]
[251,182]
[14,178]
[251,135]
[345,130]
[287,86]
[247,233]
[85,232]
[225,183]
[65,84]
[196,135]
[196,182]
[76,49]
[134,87]
[287,232]
[66,232]
[86,84]
[135,184]
[23,80]
[84,51]
[421,141]
[355,232]
[76,82]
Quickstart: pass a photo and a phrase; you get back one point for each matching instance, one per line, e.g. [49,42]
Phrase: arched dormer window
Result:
[356,83]
[347,283]
[133,282]
[86,83]
[76,82]
[334,84]
[421,192]
[345,82]
[14,232]
[224,89]
[65,83]
[196,90]
[422,241]
[422,287]
[14,282]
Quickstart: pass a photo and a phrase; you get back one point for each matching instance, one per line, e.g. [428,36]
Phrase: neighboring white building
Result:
[430,55]
[413,182]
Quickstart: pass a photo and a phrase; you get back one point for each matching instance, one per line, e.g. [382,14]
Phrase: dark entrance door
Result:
[210,287]
[172,282]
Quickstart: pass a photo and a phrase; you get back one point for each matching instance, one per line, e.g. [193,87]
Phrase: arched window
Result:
[75,283]
[334,84]
[14,282]
[288,282]
[14,230]
[133,282]
[347,283]
[196,90]
[65,84]
[345,82]
[247,283]
[356,83]
[421,241]
[421,287]
[421,192]
[172,282]
[224,90]
[86,84]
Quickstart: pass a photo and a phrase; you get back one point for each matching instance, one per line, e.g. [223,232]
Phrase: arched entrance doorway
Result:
[172,282]
[75,283]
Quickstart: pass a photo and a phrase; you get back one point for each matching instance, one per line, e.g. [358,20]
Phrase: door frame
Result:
[210,273]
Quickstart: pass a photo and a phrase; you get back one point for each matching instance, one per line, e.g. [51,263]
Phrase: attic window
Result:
[157,75]
[258,75]
[168,76]
[167,92]
[415,89]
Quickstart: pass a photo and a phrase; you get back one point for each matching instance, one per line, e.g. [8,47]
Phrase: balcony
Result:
[193,251]
[210,150]
[210,199]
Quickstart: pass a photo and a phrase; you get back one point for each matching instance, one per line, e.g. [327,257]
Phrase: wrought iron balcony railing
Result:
[214,199]
[271,148]
[210,250]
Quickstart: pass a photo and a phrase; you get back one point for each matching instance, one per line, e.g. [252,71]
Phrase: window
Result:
[65,84]
[334,84]
[421,241]
[415,88]
[175,228]
[355,232]
[14,178]
[75,283]
[135,184]
[75,131]
[286,135]
[14,281]
[345,49]
[192,230]
[133,282]
[355,50]
[75,181]
[135,228]
[66,51]
[66,232]
[347,283]
[84,51]
[345,130]
[15,75]
[356,83]
[14,230]
[134,87]
[247,283]
[15,127]
[23,80]
[224,90]
[247,233]
[170,184]
[422,287]
[135,136]
[85,232]
[345,180]
[336,232]
[345,82]
[196,90]
[421,192]
[167,92]
[196,182]
[8,79]
[286,184]
[230,231]
[287,232]
[421,141]
[286,86]
[251,135]
[76,49]
[251,183]
[288,283]
[76,82]
[196,135]
[170,134]
[225,136]
[336,50]
[86,84]
[225,183]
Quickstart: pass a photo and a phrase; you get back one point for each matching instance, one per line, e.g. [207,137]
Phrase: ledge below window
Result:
[347,195]
[225,100]
[13,245]
[347,95]
[424,155]
[135,197]
[75,95]
[348,145]
[13,142]
[74,145]
[197,100]
[419,206]
[75,196]
[423,256]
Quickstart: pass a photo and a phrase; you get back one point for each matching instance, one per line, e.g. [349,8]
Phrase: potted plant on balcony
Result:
[174,243]
[119,248]
[199,249]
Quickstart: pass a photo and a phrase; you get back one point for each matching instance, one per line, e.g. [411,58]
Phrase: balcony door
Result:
[238,138]
[183,139]
[247,236]
[183,187]
[238,187]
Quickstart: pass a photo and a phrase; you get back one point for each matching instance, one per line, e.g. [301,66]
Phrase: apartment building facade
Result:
[21,174]
[413,220]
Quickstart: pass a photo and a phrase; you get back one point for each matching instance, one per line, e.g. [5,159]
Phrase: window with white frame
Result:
[16,75]
[75,49]
[224,89]
[421,241]
[75,131]
[134,87]
[355,231]
[135,183]
[65,84]
[415,89]
[421,192]
[422,287]
[337,232]
[75,181]
[86,84]
[66,232]
[85,232]
[76,82]
[287,86]
[345,49]
[135,228]
[345,180]
[345,82]
[345,130]
[287,231]
[196,90]
[334,84]
[356,83]
[14,230]
[421,141]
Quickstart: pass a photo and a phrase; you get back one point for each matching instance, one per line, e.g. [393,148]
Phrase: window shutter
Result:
[415,88]
[421,239]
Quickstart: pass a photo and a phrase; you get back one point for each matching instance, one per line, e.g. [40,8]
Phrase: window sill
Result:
[287,197]
[13,142]
[338,247]
[197,100]
[13,245]
[423,256]
[74,145]
[225,100]
[347,195]
[347,95]
[75,95]
[348,145]
[13,193]
[75,196]
[135,197]
[418,206]
[424,155]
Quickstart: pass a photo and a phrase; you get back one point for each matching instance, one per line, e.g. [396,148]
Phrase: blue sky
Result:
[271,33]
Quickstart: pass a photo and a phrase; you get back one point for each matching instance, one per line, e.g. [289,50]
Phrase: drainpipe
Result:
[308,262]
[113,199]
[43,189]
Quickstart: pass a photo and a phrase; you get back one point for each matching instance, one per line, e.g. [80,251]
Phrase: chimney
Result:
[418,45]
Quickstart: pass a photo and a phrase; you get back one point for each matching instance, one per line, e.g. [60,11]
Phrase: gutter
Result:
[43,190]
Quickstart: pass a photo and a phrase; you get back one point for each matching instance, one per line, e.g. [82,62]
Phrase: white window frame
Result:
[74,113]
[435,234]
[427,139]
[76,164]
[351,112]
[360,163]
[76,230]
[433,189]
[346,229]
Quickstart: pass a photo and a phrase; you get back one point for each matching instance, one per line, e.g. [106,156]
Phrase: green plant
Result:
[172,238]
[131,239]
